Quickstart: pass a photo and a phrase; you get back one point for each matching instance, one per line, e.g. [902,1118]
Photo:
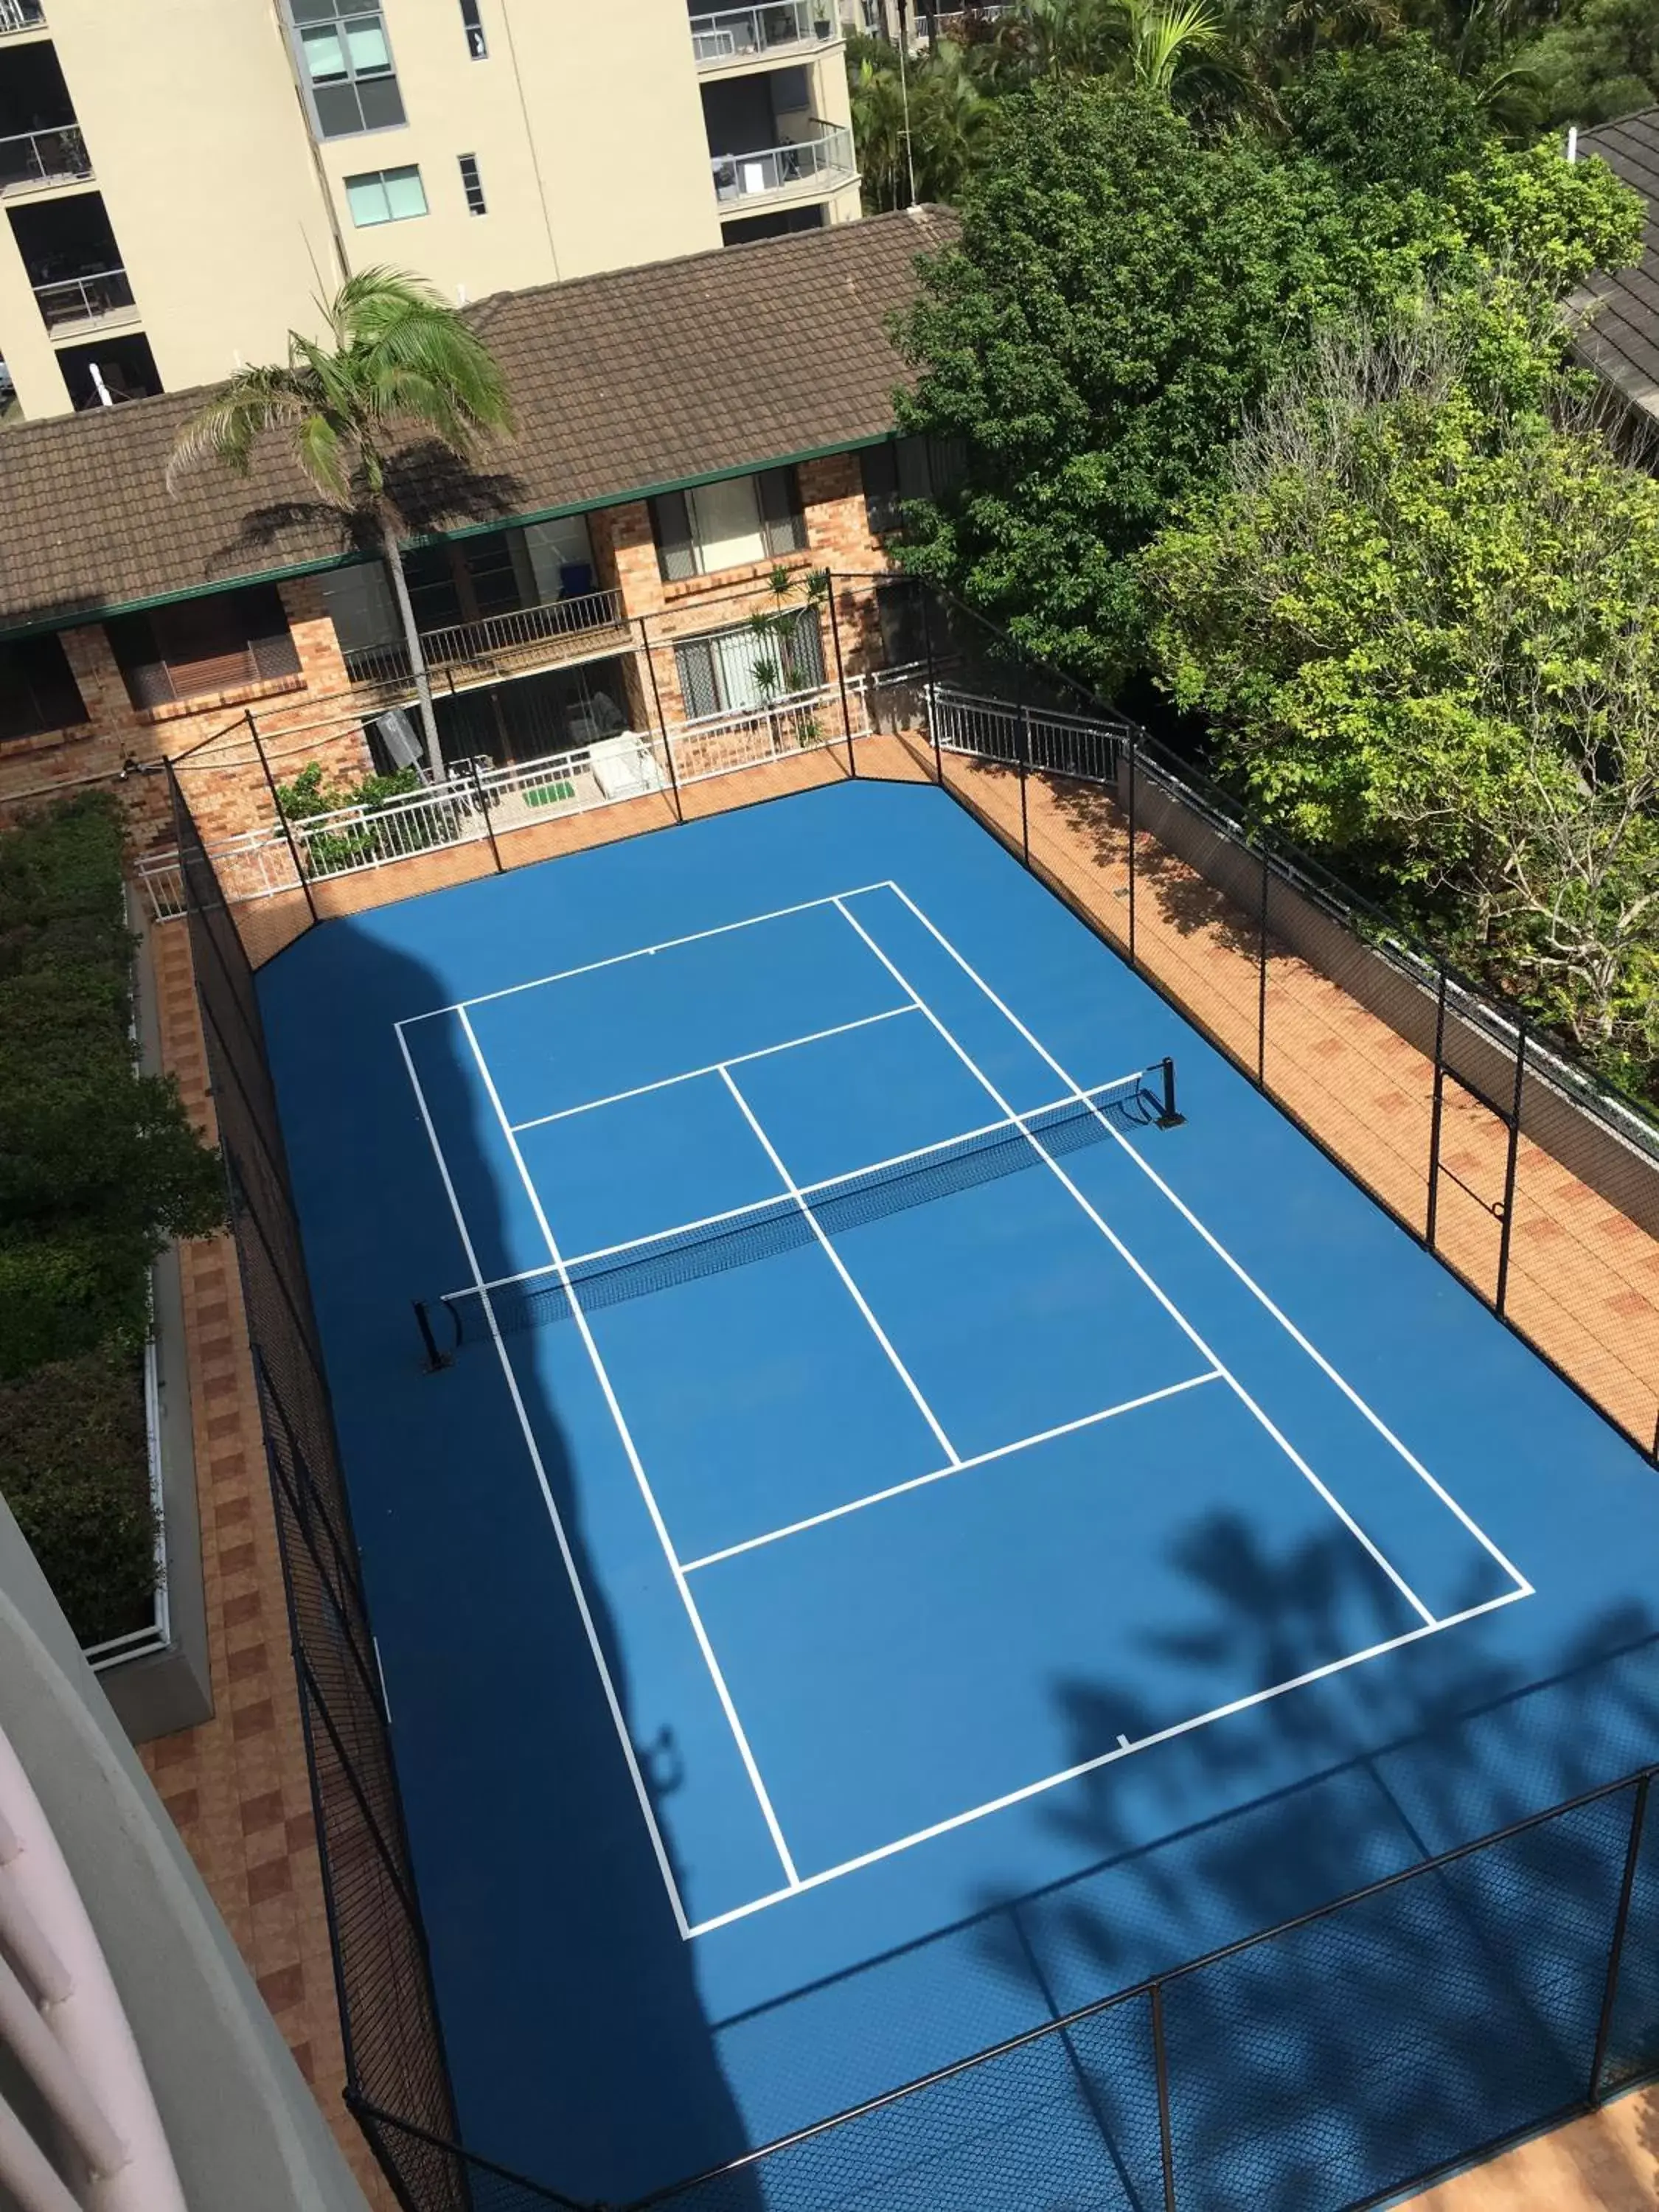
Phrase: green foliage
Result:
[947,112]
[1426,632]
[73,1468]
[1599,59]
[1122,294]
[99,1168]
[329,852]
[1387,115]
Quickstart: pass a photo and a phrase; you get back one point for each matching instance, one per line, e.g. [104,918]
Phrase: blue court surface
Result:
[910,1538]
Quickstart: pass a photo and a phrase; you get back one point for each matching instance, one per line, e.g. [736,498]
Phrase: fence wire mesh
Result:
[1329,2063]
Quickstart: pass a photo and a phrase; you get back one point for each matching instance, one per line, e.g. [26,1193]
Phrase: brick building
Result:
[687,434]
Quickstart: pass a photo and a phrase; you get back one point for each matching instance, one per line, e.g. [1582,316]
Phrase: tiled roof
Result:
[620,383]
[1622,341]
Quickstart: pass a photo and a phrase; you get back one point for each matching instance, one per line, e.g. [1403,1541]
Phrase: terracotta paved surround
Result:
[1584,1283]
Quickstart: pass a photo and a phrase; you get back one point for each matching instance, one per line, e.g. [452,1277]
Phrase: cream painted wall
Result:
[200,150]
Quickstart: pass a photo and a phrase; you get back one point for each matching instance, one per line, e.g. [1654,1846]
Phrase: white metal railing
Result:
[819,160]
[64,2031]
[461,643]
[156,1631]
[735,34]
[43,157]
[20,16]
[480,798]
[84,298]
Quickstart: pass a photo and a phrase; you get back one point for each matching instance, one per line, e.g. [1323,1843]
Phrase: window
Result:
[473,24]
[345,61]
[216,644]
[472,186]
[38,691]
[385,195]
[905,469]
[735,670]
[729,524]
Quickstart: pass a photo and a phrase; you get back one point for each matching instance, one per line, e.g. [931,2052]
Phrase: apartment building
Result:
[595,574]
[179,182]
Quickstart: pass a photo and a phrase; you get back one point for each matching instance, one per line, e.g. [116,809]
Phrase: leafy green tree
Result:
[1122,294]
[1392,115]
[1425,625]
[1599,61]
[397,363]
[918,116]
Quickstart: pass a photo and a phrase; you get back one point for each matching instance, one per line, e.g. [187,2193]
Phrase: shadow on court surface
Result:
[544,1906]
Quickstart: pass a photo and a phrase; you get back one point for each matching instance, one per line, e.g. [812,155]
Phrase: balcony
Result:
[34,159]
[97,301]
[17,15]
[744,38]
[560,631]
[807,169]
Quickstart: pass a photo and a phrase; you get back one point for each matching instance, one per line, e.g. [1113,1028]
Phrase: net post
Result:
[840,673]
[1436,1111]
[1168,1117]
[1616,1947]
[1510,1166]
[435,1359]
[483,809]
[662,723]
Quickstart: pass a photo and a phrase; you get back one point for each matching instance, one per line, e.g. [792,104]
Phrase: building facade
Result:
[601,576]
[181,183]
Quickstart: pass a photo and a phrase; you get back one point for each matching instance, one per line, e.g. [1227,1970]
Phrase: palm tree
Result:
[1163,36]
[400,362]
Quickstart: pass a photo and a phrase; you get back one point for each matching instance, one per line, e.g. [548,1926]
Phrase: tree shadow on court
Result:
[1370,2046]
[576,2035]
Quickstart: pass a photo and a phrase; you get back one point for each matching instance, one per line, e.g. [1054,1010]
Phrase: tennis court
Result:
[898,1494]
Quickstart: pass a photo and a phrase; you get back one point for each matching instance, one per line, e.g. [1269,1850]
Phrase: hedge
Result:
[100,1169]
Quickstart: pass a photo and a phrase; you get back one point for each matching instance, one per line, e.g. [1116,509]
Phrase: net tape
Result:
[779,1225]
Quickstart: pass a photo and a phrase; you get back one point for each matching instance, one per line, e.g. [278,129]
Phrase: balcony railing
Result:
[20,16]
[822,161]
[738,34]
[85,299]
[43,157]
[527,633]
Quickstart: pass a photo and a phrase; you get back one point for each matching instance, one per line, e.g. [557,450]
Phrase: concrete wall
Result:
[243,2127]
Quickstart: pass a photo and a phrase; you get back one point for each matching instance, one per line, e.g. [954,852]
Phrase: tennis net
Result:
[695,1249]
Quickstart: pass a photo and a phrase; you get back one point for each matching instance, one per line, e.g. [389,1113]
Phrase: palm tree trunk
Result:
[394,568]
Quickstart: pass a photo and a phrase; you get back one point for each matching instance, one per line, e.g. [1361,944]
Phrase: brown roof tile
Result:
[642,377]
[1622,341]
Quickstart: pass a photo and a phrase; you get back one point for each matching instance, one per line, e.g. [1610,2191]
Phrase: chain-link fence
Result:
[1328,2063]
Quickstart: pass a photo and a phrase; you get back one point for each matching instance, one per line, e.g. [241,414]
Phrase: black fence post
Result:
[662,723]
[841,677]
[1507,1226]
[1261,978]
[1134,777]
[1436,1110]
[483,809]
[1024,745]
[1615,1949]
[932,687]
[288,827]
[1165,2131]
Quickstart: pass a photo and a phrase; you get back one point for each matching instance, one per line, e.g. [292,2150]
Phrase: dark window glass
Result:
[879,466]
[382,104]
[473,24]
[37,692]
[696,664]
[782,518]
[472,186]
[216,644]
[671,523]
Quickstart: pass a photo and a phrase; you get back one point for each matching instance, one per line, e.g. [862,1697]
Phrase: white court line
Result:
[634,1461]
[1163,1299]
[840,1267]
[1523,1588]
[944,1473]
[1123,1750]
[1013,1124]
[639,952]
[691,1074]
[619,1718]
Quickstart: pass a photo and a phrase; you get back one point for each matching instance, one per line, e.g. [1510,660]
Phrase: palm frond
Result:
[230,424]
